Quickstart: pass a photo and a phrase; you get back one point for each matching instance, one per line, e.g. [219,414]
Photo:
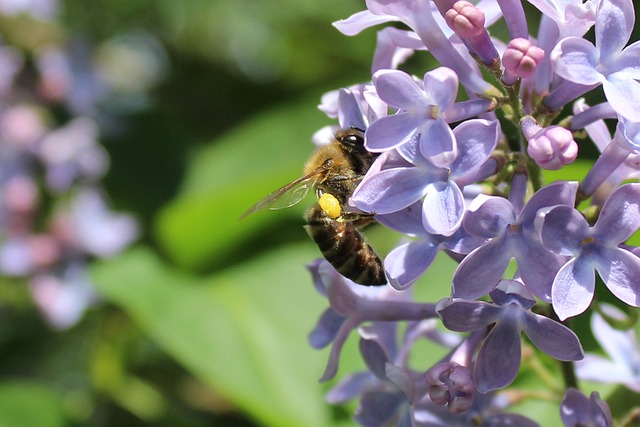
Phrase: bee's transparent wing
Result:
[288,195]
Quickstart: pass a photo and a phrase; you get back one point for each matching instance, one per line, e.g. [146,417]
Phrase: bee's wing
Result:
[288,195]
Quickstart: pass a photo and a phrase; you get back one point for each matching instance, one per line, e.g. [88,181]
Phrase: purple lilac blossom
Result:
[511,234]
[498,360]
[54,217]
[565,232]
[390,190]
[608,62]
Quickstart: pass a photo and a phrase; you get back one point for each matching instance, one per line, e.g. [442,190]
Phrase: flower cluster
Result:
[54,216]
[462,154]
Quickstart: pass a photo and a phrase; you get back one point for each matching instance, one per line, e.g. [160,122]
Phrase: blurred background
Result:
[133,134]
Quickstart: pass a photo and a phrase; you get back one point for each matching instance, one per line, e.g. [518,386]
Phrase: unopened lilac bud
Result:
[521,59]
[468,22]
[465,19]
[551,147]
[451,384]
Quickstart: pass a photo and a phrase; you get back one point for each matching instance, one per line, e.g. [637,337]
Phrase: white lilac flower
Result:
[622,364]
[565,232]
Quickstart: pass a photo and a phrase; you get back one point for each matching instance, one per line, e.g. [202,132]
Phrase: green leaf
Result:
[243,332]
[225,178]
[29,404]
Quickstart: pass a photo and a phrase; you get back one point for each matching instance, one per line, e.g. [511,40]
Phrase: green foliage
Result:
[243,331]
[201,226]
[24,403]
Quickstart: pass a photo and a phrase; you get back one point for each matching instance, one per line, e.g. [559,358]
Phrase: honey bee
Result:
[334,171]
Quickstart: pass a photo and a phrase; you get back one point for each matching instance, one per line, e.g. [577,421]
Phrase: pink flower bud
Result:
[466,20]
[521,59]
[551,147]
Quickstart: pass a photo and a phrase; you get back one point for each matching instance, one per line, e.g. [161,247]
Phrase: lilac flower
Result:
[578,410]
[73,153]
[352,305]
[566,232]
[498,360]
[608,62]
[391,190]
[623,364]
[421,114]
[64,298]
[511,234]
[573,17]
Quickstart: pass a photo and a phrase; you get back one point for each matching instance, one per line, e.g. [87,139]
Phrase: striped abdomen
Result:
[345,248]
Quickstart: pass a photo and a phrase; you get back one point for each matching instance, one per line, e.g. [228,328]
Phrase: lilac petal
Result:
[326,329]
[623,93]
[537,266]
[481,270]
[389,54]
[620,270]
[558,193]
[389,190]
[443,208]
[349,112]
[573,409]
[488,216]
[375,357]
[438,143]
[389,132]
[620,215]
[441,85]
[576,60]
[563,230]
[499,357]
[476,141]
[406,263]
[349,388]
[614,24]
[627,61]
[407,220]
[599,411]
[399,89]
[552,337]
[331,369]
[573,288]
[467,316]
[378,408]
[360,21]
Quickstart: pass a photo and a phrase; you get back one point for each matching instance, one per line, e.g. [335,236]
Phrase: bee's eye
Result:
[355,140]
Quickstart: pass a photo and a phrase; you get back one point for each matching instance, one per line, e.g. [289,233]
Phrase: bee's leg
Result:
[358,219]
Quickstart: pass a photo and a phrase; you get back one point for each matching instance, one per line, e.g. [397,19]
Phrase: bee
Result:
[334,171]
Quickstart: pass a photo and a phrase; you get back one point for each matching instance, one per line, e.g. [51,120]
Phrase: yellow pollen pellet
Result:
[330,205]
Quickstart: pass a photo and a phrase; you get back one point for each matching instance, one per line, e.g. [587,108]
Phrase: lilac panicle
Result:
[461,165]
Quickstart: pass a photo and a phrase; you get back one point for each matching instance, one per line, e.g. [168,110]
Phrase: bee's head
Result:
[352,138]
